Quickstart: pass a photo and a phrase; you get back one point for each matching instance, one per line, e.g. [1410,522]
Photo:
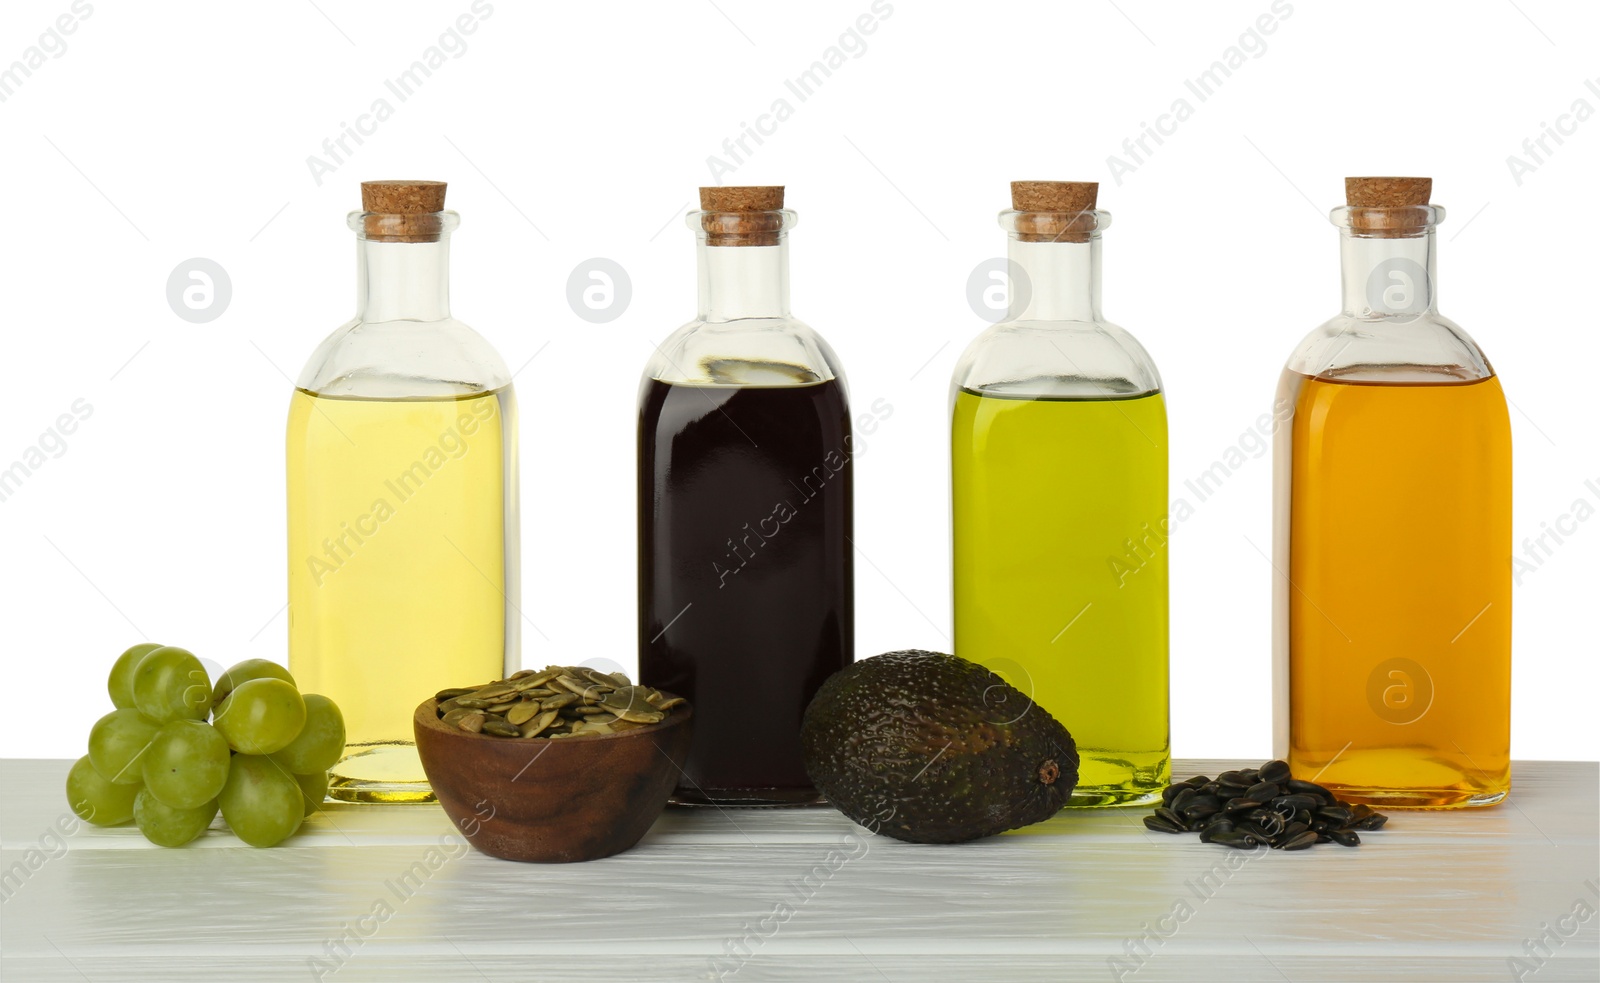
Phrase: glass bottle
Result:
[1059,502]
[746,590]
[1392,529]
[402,467]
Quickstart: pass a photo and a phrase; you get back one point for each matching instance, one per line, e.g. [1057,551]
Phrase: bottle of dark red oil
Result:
[745,582]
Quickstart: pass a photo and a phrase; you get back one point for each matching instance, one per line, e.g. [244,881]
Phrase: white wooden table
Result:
[390,893]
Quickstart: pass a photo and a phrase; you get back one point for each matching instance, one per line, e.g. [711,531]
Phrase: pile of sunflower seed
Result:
[557,701]
[1261,807]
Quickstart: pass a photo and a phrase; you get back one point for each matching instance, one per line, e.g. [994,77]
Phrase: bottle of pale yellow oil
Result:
[1392,521]
[402,462]
[1059,500]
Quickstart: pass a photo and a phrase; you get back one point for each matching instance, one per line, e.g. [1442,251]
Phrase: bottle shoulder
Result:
[1423,348]
[1084,359]
[404,360]
[745,352]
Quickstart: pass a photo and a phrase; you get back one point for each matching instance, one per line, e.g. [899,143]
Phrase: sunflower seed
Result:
[1159,825]
[1252,807]
[1263,792]
[1299,841]
[1276,772]
[1295,785]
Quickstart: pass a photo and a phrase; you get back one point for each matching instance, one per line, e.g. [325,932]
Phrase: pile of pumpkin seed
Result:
[557,701]
[1262,806]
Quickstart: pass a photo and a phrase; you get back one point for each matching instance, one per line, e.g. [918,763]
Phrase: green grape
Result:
[320,743]
[262,803]
[243,672]
[261,716]
[120,682]
[96,800]
[117,742]
[163,825]
[187,764]
[170,684]
[313,788]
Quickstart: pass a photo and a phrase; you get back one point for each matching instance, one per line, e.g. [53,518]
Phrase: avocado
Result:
[931,748]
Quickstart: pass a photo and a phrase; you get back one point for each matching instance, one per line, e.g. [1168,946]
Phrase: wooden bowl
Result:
[553,801]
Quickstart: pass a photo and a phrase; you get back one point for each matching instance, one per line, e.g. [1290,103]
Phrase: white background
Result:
[567,131]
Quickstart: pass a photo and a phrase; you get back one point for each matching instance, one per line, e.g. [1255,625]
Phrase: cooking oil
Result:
[1060,556]
[1399,589]
[398,566]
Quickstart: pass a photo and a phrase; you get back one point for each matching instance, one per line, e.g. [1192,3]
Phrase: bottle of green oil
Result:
[1058,445]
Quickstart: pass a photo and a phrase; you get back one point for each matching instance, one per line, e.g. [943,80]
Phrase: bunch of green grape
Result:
[177,749]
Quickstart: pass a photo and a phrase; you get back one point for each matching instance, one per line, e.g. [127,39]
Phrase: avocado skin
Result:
[930,748]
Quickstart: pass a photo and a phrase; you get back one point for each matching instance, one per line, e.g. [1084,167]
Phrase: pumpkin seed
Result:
[575,685]
[535,726]
[499,727]
[641,716]
[558,701]
[602,679]
[494,690]
[522,713]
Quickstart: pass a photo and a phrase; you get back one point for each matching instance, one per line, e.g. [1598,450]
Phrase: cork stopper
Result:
[1387,192]
[402,211]
[1389,207]
[1054,211]
[742,216]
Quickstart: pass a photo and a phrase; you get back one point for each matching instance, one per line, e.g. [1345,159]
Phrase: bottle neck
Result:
[743,281]
[403,281]
[1388,276]
[1060,280]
